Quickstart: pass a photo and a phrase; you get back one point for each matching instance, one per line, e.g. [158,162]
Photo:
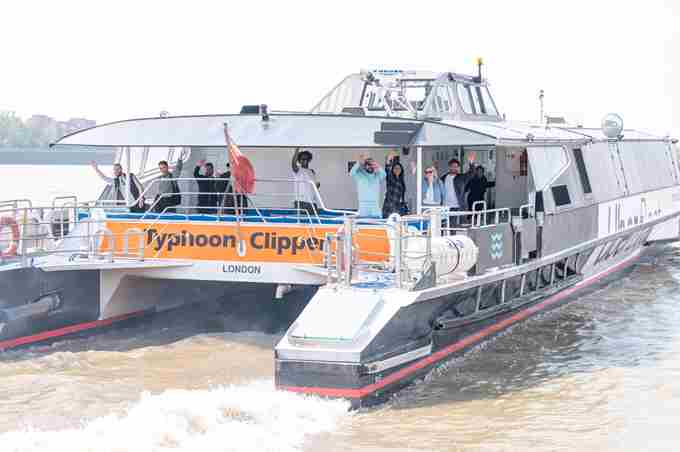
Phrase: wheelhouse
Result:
[412,94]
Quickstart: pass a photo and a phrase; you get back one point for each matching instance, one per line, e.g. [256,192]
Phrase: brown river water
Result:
[602,373]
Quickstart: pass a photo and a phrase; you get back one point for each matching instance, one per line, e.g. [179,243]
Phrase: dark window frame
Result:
[582,171]
[560,194]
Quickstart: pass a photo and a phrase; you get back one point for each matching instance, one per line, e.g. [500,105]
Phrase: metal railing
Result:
[276,197]
[46,230]
[411,253]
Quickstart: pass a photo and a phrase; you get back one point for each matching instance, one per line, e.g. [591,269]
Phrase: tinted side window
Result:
[561,195]
[464,96]
[583,174]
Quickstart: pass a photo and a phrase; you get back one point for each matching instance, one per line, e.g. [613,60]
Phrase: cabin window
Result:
[480,100]
[489,105]
[414,91]
[442,101]
[583,174]
[464,96]
[475,99]
[561,195]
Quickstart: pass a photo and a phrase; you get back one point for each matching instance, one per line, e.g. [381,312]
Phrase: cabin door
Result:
[511,177]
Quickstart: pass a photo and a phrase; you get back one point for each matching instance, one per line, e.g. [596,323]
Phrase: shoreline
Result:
[47,156]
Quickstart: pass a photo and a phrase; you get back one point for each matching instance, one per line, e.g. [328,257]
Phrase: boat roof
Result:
[322,131]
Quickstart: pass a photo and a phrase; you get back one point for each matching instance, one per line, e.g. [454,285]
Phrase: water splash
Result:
[252,417]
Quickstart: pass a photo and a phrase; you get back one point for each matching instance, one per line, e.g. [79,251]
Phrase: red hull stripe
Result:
[11,343]
[456,346]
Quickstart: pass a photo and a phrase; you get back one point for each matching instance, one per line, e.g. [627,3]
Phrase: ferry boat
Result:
[570,207]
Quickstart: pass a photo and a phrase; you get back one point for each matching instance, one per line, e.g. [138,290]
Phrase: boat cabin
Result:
[558,174]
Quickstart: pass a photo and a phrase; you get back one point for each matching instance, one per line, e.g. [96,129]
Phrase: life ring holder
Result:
[10,222]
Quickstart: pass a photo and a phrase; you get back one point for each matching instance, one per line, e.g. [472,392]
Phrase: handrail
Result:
[126,241]
[93,243]
[295,193]
[529,209]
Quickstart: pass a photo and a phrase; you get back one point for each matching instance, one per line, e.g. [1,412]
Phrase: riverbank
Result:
[47,156]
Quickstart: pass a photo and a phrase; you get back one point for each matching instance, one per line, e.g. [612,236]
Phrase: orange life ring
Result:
[10,222]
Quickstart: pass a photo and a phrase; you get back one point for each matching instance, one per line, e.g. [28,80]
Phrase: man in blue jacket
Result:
[368,175]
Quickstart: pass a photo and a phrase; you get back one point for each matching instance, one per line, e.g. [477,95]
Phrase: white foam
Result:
[253,417]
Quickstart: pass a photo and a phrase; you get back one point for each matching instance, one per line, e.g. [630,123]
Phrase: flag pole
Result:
[241,245]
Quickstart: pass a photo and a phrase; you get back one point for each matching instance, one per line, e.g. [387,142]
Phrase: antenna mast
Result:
[540,101]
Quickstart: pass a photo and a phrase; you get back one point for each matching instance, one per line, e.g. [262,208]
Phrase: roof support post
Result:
[127,176]
[419,180]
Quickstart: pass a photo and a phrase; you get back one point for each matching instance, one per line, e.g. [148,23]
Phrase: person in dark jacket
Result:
[395,187]
[476,187]
[207,187]
[168,195]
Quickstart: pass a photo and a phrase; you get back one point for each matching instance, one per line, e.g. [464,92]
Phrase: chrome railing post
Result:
[328,257]
[347,251]
[23,239]
[398,253]
[126,242]
[435,223]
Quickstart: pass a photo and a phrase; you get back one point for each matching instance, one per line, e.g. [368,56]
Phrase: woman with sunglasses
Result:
[433,189]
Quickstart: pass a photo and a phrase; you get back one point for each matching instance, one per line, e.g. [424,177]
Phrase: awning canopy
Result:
[290,130]
[281,130]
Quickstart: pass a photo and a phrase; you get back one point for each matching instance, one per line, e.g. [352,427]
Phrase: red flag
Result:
[242,171]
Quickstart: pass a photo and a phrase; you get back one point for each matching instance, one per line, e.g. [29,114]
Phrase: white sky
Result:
[121,59]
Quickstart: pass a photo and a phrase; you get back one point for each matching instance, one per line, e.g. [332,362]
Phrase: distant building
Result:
[75,124]
[39,122]
[38,130]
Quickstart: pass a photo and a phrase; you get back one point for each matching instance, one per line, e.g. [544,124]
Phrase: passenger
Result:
[207,187]
[117,187]
[454,189]
[433,190]
[395,187]
[168,190]
[367,176]
[304,176]
[476,187]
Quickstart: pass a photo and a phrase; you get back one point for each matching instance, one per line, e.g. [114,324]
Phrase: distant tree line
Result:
[36,131]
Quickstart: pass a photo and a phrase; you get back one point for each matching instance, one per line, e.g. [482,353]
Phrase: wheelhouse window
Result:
[474,93]
[442,100]
[583,174]
[489,105]
[397,94]
[465,101]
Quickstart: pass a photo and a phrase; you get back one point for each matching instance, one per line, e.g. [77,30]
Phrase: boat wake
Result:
[251,417]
